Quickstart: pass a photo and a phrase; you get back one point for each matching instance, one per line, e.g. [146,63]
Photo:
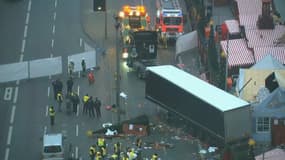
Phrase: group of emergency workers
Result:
[98,151]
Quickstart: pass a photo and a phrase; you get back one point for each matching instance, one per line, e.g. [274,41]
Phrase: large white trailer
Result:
[213,113]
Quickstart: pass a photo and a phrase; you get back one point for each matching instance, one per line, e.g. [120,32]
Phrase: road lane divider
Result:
[9,135]
[52,43]
[76,152]
[21,57]
[23,46]
[29,5]
[76,130]
[7,152]
[45,130]
[25,31]
[55,3]
[46,110]
[77,113]
[53,29]
[48,94]
[80,42]
[27,18]
[16,95]
[12,114]
[54,16]
[78,88]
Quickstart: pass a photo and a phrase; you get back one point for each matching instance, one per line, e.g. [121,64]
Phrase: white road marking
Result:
[79,74]
[46,110]
[8,93]
[76,152]
[53,29]
[25,31]
[29,5]
[55,3]
[45,129]
[21,57]
[77,113]
[17,82]
[16,95]
[77,130]
[54,16]
[27,18]
[9,135]
[48,91]
[78,88]
[23,46]
[7,153]
[80,42]
[52,43]
[12,114]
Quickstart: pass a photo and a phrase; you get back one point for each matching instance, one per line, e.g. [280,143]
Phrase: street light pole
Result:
[227,63]
[117,74]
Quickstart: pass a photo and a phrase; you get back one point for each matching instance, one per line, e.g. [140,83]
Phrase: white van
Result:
[53,147]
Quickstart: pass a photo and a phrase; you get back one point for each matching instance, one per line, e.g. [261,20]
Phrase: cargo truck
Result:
[214,114]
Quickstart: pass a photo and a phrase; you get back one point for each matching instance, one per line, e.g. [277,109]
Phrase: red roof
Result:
[239,54]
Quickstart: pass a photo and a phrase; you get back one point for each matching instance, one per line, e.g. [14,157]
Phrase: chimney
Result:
[265,20]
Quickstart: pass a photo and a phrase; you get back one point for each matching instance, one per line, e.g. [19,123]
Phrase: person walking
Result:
[59,85]
[69,84]
[75,101]
[85,100]
[51,115]
[71,68]
[101,142]
[154,157]
[83,65]
[117,148]
[90,107]
[92,152]
[55,88]
[98,107]
[59,99]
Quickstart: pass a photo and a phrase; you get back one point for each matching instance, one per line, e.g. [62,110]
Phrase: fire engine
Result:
[169,19]
[132,19]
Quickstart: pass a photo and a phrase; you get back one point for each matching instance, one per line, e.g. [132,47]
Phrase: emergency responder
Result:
[154,157]
[97,105]
[103,151]
[132,154]
[101,142]
[51,115]
[71,68]
[139,143]
[69,84]
[92,152]
[59,99]
[99,156]
[124,156]
[75,101]
[85,100]
[83,65]
[114,156]
[90,107]
[117,148]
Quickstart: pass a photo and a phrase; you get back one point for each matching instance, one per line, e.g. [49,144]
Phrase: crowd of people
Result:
[99,151]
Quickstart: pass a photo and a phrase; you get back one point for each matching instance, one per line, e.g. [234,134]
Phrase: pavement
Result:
[190,59]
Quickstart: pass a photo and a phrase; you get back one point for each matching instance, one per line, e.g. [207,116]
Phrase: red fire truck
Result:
[169,19]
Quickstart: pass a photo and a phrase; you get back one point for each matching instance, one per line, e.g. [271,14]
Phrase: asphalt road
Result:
[36,29]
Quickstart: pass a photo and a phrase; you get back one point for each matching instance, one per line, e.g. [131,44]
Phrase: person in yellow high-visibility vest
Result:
[154,157]
[92,152]
[98,156]
[101,142]
[51,115]
[117,148]
[85,100]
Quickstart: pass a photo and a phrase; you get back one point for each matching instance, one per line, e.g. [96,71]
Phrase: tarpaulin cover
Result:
[45,67]
[186,42]
[13,71]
